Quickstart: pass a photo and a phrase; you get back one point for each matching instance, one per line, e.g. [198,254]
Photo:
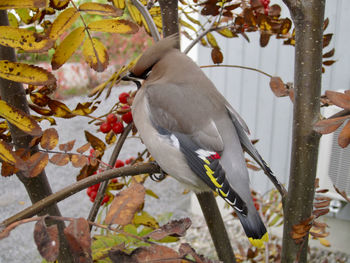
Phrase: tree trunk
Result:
[308,16]
[38,187]
[211,212]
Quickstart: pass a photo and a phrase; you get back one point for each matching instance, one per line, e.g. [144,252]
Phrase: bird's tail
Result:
[254,228]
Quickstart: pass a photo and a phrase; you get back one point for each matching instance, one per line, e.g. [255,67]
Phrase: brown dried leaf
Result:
[342,193]
[329,53]
[95,142]
[46,240]
[278,88]
[302,229]
[217,56]
[340,99]
[79,160]
[327,39]
[8,169]
[66,147]
[78,237]
[39,99]
[318,235]
[264,38]
[41,111]
[329,125]
[9,156]
[320,212]
[322,204]
[344,136]
[59,4]
[186,249]
[156,253]
[325,23]
[125,205]
[175,228]
[84,148]
[49,139]
[328,62]
[37,163]
[60,159]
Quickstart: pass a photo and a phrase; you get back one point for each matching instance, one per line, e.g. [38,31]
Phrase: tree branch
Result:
[308,20]
[103,186]
[80,185]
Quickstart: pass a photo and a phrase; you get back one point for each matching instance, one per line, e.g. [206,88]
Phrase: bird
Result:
[192,131]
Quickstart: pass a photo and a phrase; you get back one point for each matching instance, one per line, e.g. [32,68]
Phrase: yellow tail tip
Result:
[259,242]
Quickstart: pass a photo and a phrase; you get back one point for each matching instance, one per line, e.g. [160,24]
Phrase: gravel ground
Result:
[19,247]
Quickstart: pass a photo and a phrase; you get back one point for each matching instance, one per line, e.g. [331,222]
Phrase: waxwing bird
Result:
[193,133]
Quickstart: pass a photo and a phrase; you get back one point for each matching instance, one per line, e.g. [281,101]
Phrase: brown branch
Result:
[103,187]
[80,185]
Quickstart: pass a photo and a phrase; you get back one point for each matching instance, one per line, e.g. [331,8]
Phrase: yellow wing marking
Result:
[210,173]
[259,242]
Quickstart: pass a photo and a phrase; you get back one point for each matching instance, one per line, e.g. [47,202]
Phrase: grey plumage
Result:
[192,131]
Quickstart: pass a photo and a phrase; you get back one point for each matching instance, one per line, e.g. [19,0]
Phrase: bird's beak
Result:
[131,77]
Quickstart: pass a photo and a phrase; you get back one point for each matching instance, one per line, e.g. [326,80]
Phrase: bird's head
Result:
[152,55]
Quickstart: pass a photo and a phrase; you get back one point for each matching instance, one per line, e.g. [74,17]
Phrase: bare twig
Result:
[103,187]
[194,42]
[80,185]
[237,66]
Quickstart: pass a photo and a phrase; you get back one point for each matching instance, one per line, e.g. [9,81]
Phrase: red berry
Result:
[126,107]
[105,199]
[129,161]
[257,206]
[123,97]
[89,191]
[118,127]
[105,127]
[119,163]
[127,117]
[114,181]
[112,118]
[95,187]
[93,195]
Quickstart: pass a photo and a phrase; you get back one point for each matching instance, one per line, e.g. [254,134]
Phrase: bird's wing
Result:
[166,110]
[206,165]
[246,143]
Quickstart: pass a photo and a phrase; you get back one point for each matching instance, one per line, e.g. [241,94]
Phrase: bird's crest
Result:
[154,53]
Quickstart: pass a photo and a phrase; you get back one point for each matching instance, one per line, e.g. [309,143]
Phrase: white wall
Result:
[269,118]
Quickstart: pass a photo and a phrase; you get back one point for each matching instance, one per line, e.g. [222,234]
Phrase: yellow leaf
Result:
[119,3]
[24,14]
[12,20]
[134,13]
[60,109]
[63,22]
[227,33]
[100,9]
[324,242]
[67,47]
[20,119]
[212,40]
[25,73]
[185,24]
[120,26]
[6,154]
[95,54]
[24,39]
[13,4]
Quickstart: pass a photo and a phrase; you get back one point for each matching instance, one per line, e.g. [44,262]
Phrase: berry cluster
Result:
[113,122]
[265,4]
[92,190]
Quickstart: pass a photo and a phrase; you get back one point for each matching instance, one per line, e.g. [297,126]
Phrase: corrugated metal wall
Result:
[269,118]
